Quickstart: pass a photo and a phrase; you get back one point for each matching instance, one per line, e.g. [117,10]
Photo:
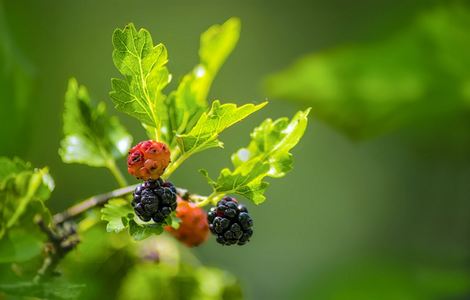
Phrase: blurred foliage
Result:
[16,86]
[173,282]
[23,191]
[55,289]
[418,79]
[390,280]
[152,269]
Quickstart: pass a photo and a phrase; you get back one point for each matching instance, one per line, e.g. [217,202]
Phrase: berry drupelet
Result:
[154,199]
[230,222]
[148,160]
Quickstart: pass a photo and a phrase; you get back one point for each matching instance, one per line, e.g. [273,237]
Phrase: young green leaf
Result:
[120,216]
[206,131]
[266,155]
[189,101]
[142,231]
[117,213]
[91,136]
[142,64]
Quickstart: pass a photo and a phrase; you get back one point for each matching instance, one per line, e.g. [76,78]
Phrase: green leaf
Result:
[206,131]
[266,155]
[142,231]
[22,190]
[120,216]
[416,79]
[92,137]
[189,101]
[116,212]
[142,65]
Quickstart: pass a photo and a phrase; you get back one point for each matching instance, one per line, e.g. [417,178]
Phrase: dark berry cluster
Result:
[154,199]
[230,222]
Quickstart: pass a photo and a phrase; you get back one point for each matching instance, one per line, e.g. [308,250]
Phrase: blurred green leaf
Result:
[142,64]
[11,167]
[22,188]
[221,116]
[417,79]
[91,136]
[23,191]
[116,212]
[20,245]
[389,281]
[266,155]
[189,101]
[173,282]
[55,289]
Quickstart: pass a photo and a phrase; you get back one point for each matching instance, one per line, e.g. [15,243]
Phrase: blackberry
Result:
[230,222]
[154,199]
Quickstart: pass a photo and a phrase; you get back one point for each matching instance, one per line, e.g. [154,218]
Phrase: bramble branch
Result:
[101,199]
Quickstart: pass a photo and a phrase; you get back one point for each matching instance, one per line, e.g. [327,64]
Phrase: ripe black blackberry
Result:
[230,222]
[154,199]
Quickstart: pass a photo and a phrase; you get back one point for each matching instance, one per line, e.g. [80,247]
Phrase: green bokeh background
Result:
[346,207]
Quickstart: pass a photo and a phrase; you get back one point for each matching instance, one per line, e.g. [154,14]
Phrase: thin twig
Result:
[91,202]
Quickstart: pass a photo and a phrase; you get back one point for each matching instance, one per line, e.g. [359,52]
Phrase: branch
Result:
[101,199]
[62,239]
[91,202]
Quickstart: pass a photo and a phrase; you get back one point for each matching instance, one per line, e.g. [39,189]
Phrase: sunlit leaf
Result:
[206,131]
[266,155]
[142,65]
[116,212]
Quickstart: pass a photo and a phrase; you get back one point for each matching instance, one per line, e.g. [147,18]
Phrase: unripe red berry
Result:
[148,160]
[194,228]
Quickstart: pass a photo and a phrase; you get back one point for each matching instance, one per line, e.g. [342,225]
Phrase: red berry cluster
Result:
[148,160]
